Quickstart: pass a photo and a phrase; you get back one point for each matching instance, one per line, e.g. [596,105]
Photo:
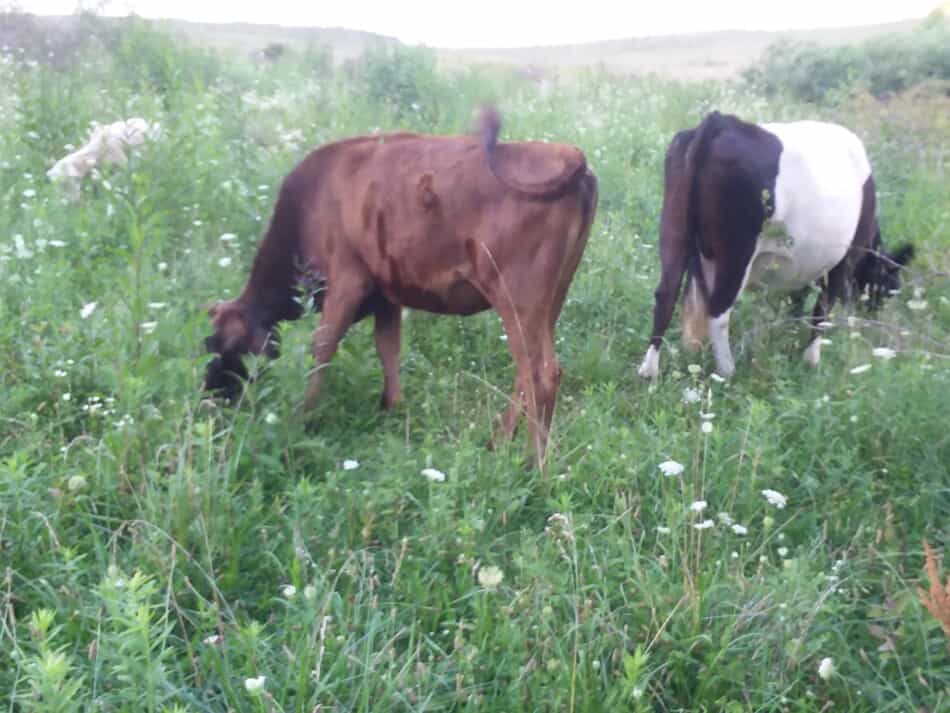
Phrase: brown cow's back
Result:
[406,206]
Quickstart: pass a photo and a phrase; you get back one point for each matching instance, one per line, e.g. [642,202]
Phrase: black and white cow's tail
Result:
[696,294]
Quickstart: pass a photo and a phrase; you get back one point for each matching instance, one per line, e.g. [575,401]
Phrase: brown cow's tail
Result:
[489,126]
[696,294]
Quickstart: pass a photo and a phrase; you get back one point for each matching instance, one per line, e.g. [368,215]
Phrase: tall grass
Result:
[161,553]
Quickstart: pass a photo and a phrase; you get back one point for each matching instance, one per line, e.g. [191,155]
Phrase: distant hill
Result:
[708,55]
[344,43]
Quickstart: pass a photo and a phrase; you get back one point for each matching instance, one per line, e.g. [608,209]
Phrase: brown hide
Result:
[446,224]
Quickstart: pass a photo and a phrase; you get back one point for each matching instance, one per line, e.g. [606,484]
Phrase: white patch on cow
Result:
[695,318]
[650,368]
[719,337]
[817,203]
[813,352]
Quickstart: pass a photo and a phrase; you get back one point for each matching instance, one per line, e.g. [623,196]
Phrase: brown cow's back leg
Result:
[388,323]
[531,341]
[340,308]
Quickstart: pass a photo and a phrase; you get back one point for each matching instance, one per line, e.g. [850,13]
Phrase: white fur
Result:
[719,337]
[695,318]
[818,197]
[106,144]
[813,352]
[650,368]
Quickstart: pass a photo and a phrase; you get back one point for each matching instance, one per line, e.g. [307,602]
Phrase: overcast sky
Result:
[517,23]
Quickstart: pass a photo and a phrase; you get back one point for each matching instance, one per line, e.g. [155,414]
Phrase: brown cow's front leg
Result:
[340,308]
[388,322]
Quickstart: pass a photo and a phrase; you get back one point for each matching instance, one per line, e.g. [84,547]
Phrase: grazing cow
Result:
[446,224]
[775,206]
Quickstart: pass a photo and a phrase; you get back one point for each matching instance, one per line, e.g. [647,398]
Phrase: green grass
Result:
[147,543]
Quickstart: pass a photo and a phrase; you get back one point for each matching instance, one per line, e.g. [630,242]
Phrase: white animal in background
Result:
[107,144]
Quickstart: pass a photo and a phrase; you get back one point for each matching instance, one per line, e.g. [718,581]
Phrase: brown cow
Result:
[446,224]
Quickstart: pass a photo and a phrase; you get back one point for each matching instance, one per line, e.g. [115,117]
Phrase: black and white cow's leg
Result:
[727,283]
[666,295]
[832,288]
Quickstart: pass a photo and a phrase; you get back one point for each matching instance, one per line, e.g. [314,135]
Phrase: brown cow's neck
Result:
[271,292]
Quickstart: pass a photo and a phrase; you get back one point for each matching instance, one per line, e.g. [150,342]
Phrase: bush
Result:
[881,66]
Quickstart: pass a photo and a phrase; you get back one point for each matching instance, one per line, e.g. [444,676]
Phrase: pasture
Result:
[160,552]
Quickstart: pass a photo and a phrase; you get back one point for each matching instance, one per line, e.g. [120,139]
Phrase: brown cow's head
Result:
[236,332]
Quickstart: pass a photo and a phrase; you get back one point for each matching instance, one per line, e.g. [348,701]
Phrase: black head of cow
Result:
[878,272]
[236,332]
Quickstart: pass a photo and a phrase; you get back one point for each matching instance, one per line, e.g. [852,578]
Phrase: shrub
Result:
[881,66]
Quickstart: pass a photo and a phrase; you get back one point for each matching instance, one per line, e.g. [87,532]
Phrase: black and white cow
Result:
[775,206]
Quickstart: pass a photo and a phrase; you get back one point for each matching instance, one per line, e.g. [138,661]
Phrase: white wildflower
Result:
[917,305]
[718,379]
[740,529]
[490,577]
[224,261]
[290,591]
[707,427]
[162,266]
[227,237]
[704,525]
[663,530]
[21,250]
[148,327]
[782,551]
[271,418]
[310,592]
[694,369]
[213,640]
[87,309]
[29,193]
[59,373]
[826,669]
[692,395]
[157,305]
[254,685]
[775,498]
[698,506]
[436,476]
[860,369]
[884,353]
[57,243]
[670,468]
[76,482]
[725,518]
[67,396]
[350,464]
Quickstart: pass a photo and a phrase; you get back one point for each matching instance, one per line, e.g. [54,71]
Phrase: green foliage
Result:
[882,66]
[403,81]
[162,553]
